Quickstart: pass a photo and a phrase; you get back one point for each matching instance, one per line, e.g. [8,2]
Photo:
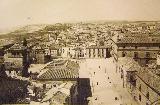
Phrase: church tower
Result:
[25,59]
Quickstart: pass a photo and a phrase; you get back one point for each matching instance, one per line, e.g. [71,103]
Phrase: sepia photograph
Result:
[80,52]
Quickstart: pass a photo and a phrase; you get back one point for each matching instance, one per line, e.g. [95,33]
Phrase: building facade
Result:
[98,52]
[141,82]
[17,60]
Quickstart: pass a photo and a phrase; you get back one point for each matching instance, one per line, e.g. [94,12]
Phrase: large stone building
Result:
[142,49]
[67,52]
[55,51]
[39,54]
[141,82]
[98,51]
[79,52]
[140,46]
[17,60]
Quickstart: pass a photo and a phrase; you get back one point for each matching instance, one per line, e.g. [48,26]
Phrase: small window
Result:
[135,54]
[94,53]
[102,52]
[147,61]
[147,54]
[44,86]
[136,47]
[123,46]
[93,50]
[139,97]
[140,87]
[17,53]
[89,53]
[123,54]
[147,95]
[98,51]
[13,53]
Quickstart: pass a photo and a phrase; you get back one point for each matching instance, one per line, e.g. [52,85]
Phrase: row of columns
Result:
[97,53]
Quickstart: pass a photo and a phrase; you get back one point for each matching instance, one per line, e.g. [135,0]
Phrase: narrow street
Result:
[107,87]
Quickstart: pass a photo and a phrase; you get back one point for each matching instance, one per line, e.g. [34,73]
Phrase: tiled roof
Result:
[98,47]
[54,47]
[139,40]
[63,70]
[59,93]
[128,63]
[60,97]
[78,48]
[146,74]
[17,46]
[150,78]
[12,64]
[39,47]
[5,42]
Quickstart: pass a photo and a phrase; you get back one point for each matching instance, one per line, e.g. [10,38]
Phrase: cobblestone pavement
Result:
[107,87]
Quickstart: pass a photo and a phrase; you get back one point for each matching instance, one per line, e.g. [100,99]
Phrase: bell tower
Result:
[25,59]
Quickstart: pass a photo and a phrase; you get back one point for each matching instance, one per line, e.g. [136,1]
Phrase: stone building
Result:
[17,60]
[141,82]
[80,52]
[94,51]
[113,49]
[55,51]
[39,54]
[66,52]
[64,72]
[140,46]
[142,49]
[147,87]
[3,48]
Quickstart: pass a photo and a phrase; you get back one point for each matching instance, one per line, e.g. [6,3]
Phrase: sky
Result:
[22,12]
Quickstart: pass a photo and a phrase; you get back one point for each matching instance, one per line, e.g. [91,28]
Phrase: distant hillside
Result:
[23,31]
[32,31]
[28,29]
